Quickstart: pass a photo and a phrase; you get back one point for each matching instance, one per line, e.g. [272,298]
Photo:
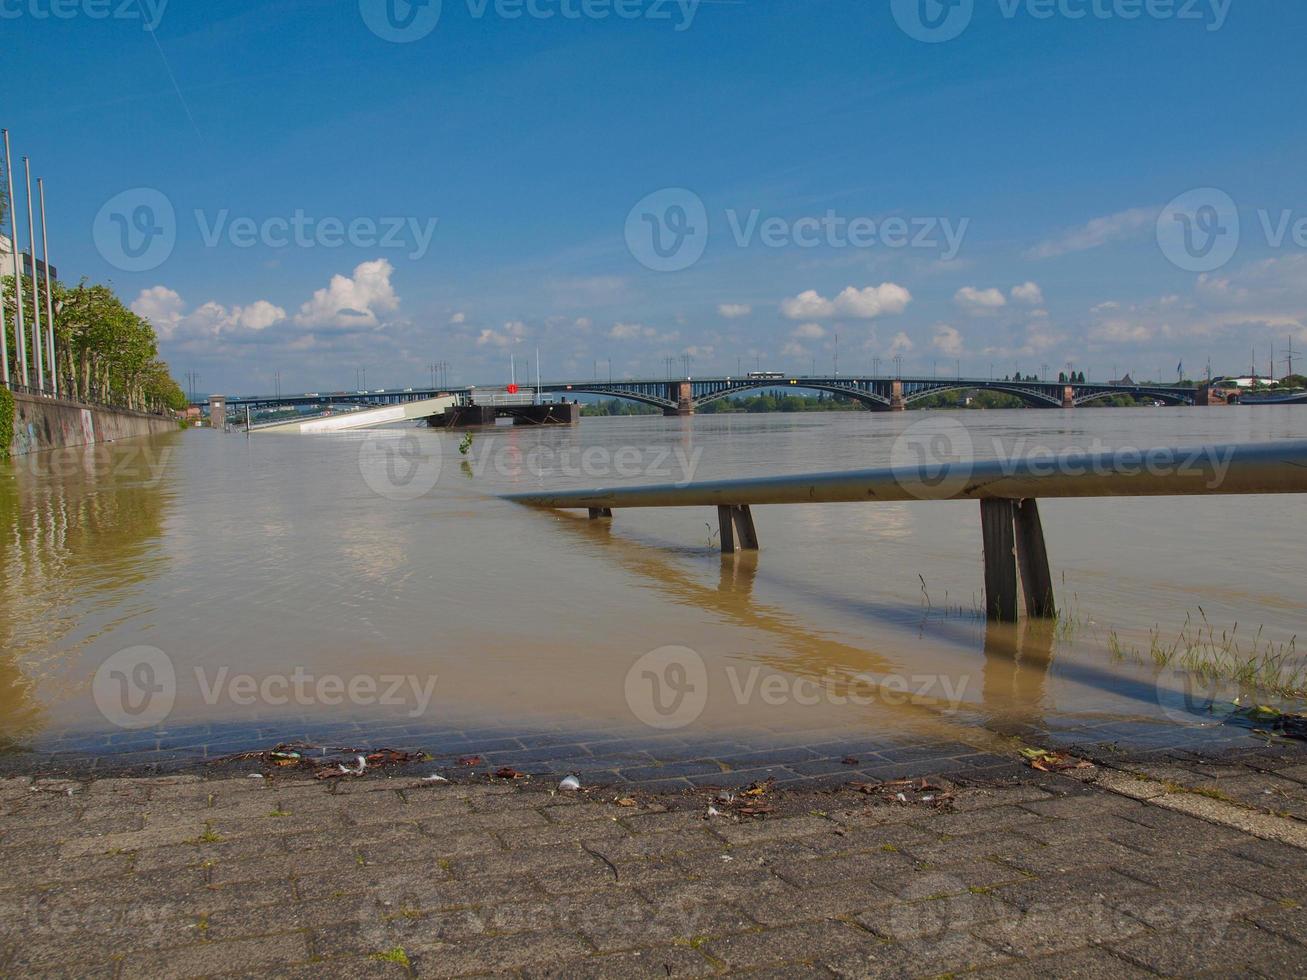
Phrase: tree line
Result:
[103,351]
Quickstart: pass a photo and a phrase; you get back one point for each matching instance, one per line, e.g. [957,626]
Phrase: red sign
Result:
[512,389]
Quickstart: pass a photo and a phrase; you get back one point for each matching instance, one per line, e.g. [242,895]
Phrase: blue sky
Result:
[1007,185]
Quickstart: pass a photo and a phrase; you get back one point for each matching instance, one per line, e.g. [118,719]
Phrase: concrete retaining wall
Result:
[41,424]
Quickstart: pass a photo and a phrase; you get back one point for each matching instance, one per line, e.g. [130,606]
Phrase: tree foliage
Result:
[104,352]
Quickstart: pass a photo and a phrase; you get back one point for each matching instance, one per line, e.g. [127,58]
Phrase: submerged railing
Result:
[1006,488]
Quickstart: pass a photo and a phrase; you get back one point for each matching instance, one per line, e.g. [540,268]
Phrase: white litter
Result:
[713,811]
[570,783]
[255,775]
[900,797]
[434,778]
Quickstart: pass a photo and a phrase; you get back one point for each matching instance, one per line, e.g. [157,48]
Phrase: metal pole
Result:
[4,342]
[37,343]
[49,305]
[19,321]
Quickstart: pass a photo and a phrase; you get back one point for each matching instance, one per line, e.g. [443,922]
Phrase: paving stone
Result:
[1204,951]
[931,956]
[1088,964]
[809,942]
[262,953]
[653,964]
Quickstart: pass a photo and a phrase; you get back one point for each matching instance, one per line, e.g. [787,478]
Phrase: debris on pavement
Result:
[1048,761]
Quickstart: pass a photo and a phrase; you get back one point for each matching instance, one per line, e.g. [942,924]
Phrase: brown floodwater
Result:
[377,575]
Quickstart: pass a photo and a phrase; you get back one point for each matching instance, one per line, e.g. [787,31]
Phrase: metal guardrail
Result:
[1272,467]
[1007,491]
[73,399]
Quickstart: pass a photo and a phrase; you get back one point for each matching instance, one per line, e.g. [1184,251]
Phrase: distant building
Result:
[6,268]
[1125,381]
[1248,381]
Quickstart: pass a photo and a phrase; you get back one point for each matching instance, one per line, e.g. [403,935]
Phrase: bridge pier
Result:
[1211,395]
[736,520]
[896,400]
[683,393]
[1068,397]
[1014,542]
[598,512]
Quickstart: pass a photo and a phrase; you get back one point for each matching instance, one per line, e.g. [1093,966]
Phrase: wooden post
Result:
[996,525]
[726,527]
[1032,556]
[744,527]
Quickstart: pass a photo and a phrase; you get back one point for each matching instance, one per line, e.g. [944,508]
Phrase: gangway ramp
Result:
[367,418]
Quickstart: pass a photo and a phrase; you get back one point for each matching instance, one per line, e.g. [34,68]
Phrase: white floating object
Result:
[570,783]
[255,775]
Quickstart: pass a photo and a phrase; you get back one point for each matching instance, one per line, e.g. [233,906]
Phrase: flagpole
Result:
[20,342]
[37,343]
[49,305]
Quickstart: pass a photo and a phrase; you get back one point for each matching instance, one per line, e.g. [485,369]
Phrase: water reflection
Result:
[81,535]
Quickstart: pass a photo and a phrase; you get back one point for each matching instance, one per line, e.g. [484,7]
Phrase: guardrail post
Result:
[726,528]
[744,527]
[997,521]
[1032,558]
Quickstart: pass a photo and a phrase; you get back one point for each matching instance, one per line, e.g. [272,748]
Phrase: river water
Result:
[207,577]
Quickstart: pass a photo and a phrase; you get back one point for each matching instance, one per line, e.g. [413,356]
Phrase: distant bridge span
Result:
[685,396]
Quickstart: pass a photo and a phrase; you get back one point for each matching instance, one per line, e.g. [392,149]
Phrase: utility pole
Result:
[20,317]
[875,365]
[898,365]
[49,305]
[837,354]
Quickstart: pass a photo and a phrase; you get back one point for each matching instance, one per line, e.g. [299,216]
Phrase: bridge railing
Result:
[1006,488]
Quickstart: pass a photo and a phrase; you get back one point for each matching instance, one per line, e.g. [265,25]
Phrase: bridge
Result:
[685,396]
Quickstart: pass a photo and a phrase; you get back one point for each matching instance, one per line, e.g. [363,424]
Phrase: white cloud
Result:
[947,340]
[979,301]
[582,323]
[458,318]
[1028,293]
[863,304]
[355,301]
[630,331]
[513,332]
[732,310]
[807,305]
[1100,231]
[810,331]
[901,344]
[166,310]
[793,349]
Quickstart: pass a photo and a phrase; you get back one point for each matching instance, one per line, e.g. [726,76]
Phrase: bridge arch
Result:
[1170,398]
[1030,396]
[872,400]
[644,398]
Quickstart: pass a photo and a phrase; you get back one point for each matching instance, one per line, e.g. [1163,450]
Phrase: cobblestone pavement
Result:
[1168,864]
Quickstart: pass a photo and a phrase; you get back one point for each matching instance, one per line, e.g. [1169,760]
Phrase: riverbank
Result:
[41,424]
[1134,866]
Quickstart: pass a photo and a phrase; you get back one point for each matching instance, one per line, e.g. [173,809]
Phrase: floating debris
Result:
[1046,761]
[508,772]
[323,761]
